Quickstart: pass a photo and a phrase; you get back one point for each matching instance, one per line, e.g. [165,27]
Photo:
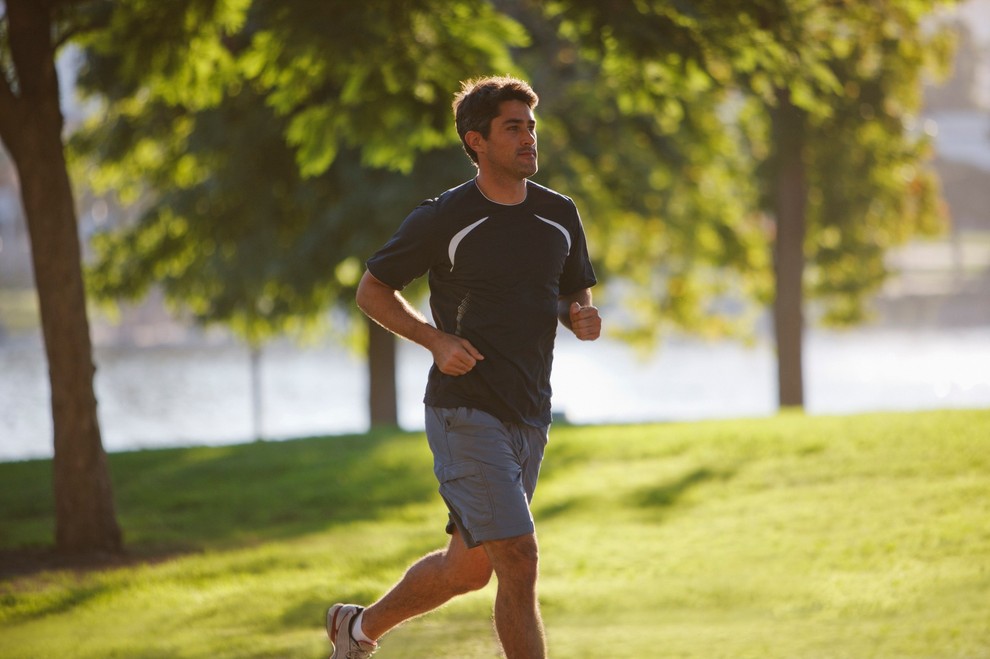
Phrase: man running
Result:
[507,259]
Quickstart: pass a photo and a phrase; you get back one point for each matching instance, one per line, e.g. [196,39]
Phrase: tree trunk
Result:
[257,400]
[382,396]
[790,201]
[31,127]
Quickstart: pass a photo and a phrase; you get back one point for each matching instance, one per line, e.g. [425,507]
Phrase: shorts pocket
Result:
[465,489]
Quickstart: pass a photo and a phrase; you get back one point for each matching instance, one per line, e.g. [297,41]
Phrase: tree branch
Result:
[9,111]
[28,35]
[89,19]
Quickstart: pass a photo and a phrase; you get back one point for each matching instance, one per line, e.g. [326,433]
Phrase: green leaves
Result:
[274,145]
[260,139]
[175,52]
[373,76]
[703,85]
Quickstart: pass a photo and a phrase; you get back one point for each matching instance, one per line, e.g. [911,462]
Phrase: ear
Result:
[475,140]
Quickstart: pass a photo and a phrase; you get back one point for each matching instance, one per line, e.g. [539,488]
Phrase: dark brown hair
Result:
[478,103]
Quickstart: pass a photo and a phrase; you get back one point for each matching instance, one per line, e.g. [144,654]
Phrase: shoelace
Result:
[356,651]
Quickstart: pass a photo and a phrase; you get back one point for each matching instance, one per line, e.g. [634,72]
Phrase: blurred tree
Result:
[820,96]
[31,128]
[269,156]
[843,175]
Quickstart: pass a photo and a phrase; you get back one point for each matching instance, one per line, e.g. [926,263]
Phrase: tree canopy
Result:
[723,153]
[267,156]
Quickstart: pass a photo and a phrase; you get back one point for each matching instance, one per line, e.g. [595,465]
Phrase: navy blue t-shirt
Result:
[495,274]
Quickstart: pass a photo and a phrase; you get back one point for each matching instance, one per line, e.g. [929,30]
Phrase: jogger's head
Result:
[479,102]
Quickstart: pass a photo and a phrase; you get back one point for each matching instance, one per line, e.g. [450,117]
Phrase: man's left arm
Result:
[577,314]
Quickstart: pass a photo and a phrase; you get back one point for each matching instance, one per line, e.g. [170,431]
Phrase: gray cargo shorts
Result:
[487,470]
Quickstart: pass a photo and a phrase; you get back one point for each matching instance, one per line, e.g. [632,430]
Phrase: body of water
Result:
[183,396]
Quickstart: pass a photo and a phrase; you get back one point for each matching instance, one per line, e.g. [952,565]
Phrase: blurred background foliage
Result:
[268,148]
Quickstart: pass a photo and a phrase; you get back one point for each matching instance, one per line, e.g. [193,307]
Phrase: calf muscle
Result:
[428,584]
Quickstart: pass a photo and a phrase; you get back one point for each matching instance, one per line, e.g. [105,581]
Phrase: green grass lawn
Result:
[860,536]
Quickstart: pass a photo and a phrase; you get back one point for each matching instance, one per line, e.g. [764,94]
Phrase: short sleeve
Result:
[578,273]
[410,252]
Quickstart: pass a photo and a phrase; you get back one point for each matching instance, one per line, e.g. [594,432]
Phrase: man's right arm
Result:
[453,355]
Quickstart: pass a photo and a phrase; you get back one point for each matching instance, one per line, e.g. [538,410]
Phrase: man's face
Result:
[510,149]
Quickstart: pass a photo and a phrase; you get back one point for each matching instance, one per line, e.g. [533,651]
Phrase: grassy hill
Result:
[794,536]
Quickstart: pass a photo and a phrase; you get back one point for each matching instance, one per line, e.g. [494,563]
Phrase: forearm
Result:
[453,355]
[387,307]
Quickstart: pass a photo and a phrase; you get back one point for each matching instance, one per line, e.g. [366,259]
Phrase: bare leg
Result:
[517,610]
[428,584]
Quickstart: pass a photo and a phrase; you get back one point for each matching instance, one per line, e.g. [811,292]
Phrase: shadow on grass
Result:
[546,512]
[667,495]
[301,615]
[176,501]
[652,499]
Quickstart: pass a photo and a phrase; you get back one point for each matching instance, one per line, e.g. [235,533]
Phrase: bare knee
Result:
[518,557]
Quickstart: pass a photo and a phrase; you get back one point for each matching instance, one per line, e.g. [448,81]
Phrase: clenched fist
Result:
[585,322]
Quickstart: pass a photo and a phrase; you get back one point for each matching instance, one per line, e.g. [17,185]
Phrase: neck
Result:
[501,191]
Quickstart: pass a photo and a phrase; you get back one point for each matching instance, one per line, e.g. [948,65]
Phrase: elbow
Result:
[362,293]
[359,298]
[371,293]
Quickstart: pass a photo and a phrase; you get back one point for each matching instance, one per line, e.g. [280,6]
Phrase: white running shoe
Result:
[340,618]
